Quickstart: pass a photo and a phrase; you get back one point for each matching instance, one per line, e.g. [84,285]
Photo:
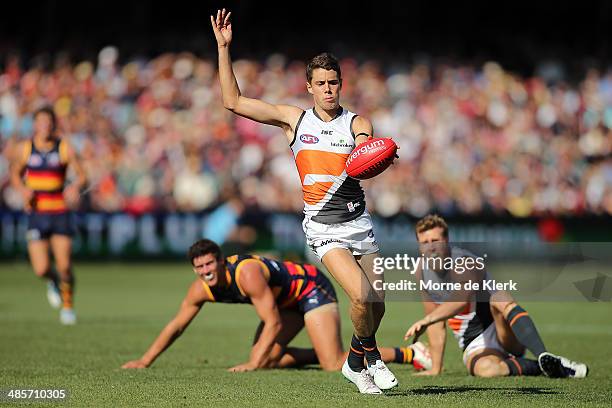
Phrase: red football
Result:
[371,158]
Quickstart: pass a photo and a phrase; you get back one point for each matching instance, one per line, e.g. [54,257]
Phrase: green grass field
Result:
[122,307]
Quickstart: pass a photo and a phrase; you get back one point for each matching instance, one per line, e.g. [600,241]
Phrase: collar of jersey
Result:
[340,112]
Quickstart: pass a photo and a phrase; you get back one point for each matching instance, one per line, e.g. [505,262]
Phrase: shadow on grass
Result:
[440,390]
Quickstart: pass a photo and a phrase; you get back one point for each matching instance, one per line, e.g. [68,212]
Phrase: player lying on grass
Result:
[492,329]
[287,297]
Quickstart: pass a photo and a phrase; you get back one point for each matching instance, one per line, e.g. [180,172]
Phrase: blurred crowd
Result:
[154,135]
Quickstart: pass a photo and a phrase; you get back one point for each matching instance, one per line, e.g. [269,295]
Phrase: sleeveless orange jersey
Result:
[320,150]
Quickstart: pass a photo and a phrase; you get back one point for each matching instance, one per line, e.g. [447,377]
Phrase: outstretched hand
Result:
[134,364]
[222,27]
[417,329]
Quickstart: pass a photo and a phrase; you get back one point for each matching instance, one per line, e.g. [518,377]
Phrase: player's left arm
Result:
[362,129]
[73,190]
[254,285]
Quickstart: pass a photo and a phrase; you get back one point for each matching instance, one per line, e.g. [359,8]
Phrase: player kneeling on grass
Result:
[287,297]
[492,329]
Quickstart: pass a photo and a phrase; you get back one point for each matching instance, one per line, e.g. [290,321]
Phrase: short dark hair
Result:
[326,61]
[432,221]
[204,247]
[47,109]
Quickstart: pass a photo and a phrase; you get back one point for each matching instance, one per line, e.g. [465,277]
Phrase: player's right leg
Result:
[516,331]
[349,275]
[487,363]
[38,251]
[485,356]
[323,328]
[383,377]
[61,246]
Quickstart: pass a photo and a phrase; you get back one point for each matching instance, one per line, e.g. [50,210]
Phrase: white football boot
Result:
[382,376]
[421,359]
[53,295]
[68,317]
[560,367]
[362,380]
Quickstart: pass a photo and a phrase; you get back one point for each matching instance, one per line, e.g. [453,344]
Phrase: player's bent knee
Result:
[331,365]
[359,309]
[41,272]
[488,367]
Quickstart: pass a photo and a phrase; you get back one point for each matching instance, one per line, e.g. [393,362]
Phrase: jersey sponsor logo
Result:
[309,139]
[327,132]
[319,244]
[342,143]
[370,147]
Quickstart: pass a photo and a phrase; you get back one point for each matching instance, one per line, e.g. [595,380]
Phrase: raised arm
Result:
[191,305]
[284,116]
[253,284]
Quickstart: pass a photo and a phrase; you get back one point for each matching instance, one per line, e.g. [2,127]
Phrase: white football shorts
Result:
[357,236]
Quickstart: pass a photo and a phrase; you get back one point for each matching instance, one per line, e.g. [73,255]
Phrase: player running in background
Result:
[337,226]
[493,331]
[287,297]
[38,172]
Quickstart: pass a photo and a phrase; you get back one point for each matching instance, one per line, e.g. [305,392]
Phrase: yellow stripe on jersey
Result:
[44,183]
[300,270]
[266,271]
[292,297]
[208,291]
[297,289]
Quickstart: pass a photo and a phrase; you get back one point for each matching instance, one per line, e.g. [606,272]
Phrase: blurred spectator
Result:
[155,136]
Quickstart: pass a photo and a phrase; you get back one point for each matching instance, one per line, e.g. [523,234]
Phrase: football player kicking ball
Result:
[491,328]
[337,226]
[287,297]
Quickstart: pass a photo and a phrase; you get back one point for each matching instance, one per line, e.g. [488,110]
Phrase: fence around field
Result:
[168,235]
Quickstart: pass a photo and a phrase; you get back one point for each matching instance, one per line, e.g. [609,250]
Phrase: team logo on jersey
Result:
[309,139]
[35,160]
